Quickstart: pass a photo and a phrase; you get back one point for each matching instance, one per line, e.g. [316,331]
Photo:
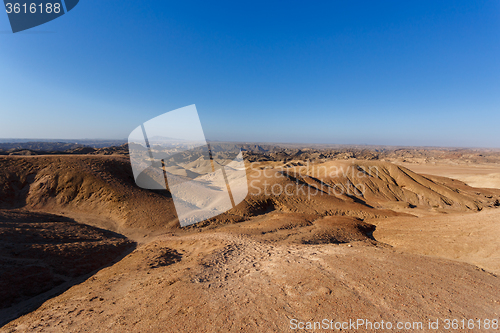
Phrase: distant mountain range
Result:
[46,144]
[50,148]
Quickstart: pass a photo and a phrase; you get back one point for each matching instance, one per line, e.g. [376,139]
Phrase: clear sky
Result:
[348,72]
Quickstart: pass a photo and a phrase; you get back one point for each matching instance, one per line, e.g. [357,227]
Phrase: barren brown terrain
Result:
[339,235]
[485,175]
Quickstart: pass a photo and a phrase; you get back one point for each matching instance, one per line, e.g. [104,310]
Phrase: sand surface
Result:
[222,283]
[475,175]
[472,238]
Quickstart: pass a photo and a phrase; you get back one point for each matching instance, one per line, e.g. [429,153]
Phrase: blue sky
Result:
[348,72]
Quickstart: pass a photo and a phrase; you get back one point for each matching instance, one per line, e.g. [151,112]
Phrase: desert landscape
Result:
[249,166]
[327,235]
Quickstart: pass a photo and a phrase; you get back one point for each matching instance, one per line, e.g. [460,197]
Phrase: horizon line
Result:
[26,140]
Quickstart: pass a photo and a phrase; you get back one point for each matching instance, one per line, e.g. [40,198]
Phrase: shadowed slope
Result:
[101,186]
[39,252]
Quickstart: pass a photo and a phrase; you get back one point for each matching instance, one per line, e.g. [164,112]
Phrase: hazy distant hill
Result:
[256,152]
[94,143]
[46,146]
[51,147]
